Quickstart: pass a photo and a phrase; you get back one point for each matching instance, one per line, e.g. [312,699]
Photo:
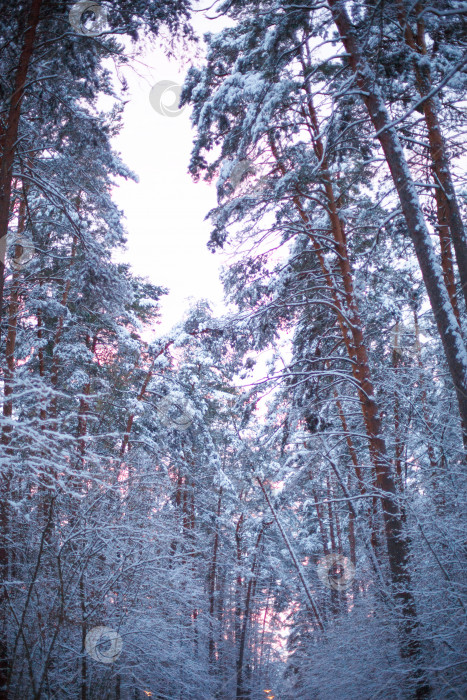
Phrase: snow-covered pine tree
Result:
[270,98]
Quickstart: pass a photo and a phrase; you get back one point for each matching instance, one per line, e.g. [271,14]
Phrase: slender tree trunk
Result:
[331,516]
[6,477]
[13,309]
[239,585]
[9,137]
[446,194]
[322,528]
[242,693]
[43,409]
[140,397]
[84,672]
[399,444]
[58,335]
[212,585]
[438,495]
[263,632]
[291,551]
[352,547]
[446,252]
[350,445]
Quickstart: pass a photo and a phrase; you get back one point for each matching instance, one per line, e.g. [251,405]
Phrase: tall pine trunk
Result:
[9,137]
[448,206]
[454,348]
[6,476]
[393,516]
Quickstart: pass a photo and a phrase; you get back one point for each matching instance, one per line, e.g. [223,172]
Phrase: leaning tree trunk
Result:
[393,517]
[454,348]
[446,193]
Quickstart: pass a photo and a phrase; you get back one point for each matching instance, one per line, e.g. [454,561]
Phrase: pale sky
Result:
[165,210]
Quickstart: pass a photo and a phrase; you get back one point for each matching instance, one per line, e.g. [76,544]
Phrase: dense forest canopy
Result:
[269,503]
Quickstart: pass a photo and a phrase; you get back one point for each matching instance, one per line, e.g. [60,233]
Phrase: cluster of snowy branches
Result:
[269,504]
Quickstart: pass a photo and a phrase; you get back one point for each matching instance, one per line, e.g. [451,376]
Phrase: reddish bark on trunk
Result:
[9,137]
